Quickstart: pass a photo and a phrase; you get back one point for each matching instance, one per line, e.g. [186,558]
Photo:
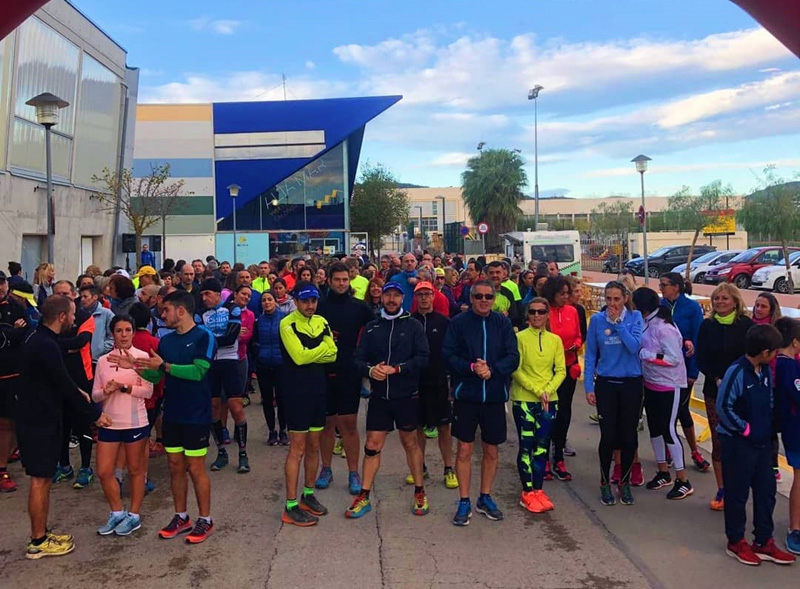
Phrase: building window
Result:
[430,224]
[435,208]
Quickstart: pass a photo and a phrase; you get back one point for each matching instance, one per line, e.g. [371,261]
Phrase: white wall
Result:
[190,247]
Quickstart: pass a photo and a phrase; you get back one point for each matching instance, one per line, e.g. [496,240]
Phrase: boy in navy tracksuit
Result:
[744,406]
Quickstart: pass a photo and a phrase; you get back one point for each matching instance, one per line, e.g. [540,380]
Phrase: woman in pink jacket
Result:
[122,392]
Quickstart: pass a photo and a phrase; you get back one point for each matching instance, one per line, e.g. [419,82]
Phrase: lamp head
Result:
[641,163]
[533,93]
[481,145]
[47,106]
[233,190]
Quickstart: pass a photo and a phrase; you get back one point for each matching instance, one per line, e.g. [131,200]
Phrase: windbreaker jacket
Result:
[347,317]
[688,316]
[662,338]
[102,341]
[435,326]
[306,346]
[11,337]
[744,402]
[400,343]
[565,324]
[490,338]
[267,339]
[787,401]
[541,366]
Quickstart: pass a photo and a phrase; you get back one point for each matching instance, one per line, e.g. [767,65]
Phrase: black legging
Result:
[619,404]
[269,383]
[82,429]
[563,418]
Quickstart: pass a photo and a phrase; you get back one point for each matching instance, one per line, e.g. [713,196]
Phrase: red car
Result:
[740,269]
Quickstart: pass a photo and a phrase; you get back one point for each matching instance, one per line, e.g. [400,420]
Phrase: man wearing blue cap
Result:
[307,346]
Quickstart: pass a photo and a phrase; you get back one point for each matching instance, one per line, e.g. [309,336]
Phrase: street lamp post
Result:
[419,217]
[641,167]
[47,106]
[233,190]
[533,94]
[444,222]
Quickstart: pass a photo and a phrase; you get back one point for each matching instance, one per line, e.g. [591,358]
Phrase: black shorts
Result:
[383,415]
[491,417]
[8,391]
[152,414]
[435,408]
[39,450]
[223,378]
[304,412]
[190,439]
[684,411]
[125,436]
[343,396]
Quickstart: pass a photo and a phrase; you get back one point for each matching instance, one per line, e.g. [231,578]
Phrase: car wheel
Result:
[654,272]
[781,285]
[742,281]
[699,278]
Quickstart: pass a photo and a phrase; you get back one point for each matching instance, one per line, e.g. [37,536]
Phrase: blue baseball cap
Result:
[393,286]
[307,291]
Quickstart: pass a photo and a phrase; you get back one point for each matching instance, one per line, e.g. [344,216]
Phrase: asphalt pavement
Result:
[582,544]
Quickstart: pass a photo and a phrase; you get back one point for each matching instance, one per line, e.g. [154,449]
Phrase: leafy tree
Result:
[492,189]
[143,201]
[615,220]
[378,206]
[775,210]
[693,213]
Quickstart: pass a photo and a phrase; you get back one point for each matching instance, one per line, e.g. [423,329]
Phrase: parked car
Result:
[774,277]
[698,268]
[741,268]
[612,264]
[664,259]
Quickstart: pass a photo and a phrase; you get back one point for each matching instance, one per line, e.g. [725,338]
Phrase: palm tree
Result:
[492,189]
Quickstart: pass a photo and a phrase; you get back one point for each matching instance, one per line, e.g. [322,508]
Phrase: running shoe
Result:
[112,522]
[338,447]
[637,475]
[226,436]
[718,503]
[149,486]
[545,501]
[178,525]
[68,538]
[640,427]
[425,475]
[310,504]
[616,474]
[560,472]
[606,496]
[662,479]
[245,400]
[14,456]
[63,474]
[283,438]
[778,476]
[569,450]
[680,490]
[742,552]
[73,442]
[297,517]
[365,393]
[594,418]
[50,547]
[128,525]
[202,530]
[325,478]
[420,505]
[84,478]
[361,506]
[486,506]
[772,553]
[354,483]
[450,479]
[463,513]
[625,496]
[221,461]
[548,474]
[244,463]
[272,440]
[7,484]
[700,463]
[529,501]
[431,432]
[793,541]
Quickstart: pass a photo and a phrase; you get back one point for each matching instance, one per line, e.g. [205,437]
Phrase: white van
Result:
[543,246]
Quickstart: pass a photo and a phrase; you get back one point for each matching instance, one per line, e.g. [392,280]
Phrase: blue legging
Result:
[534,426]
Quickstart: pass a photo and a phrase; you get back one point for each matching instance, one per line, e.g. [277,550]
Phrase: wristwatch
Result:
[162,367]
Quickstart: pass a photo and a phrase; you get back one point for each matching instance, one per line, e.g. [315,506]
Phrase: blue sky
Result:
[696,85]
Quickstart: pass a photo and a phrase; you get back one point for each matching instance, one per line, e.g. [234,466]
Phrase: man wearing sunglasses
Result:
[505,301]
[480,350]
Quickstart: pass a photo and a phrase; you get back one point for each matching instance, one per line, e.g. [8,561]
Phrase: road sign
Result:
[464,230]
[483,228]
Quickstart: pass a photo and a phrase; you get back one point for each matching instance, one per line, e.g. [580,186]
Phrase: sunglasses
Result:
[538,311]
[480,297]
[664,284]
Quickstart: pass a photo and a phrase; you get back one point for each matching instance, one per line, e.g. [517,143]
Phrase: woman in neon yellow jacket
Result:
[534,396]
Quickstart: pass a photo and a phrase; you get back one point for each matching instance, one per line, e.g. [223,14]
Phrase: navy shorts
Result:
[39,450]
[8,391]
[435,408]
[383,415]
[304,412]
[491,417]
[125,436]
[223,378]
[190,439]
[343,394]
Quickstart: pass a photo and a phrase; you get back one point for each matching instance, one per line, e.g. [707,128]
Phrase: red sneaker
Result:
[529,501]
[202,530]
[616,474]
[742,552]
[7,484]
[14,456]
[772,553]
[544,500]
[637,476]
[178,525]
[548,474]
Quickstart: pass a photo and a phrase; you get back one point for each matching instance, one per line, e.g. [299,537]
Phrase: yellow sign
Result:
[724,223]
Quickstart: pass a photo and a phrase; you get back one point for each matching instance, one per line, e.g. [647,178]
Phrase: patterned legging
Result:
[534,426]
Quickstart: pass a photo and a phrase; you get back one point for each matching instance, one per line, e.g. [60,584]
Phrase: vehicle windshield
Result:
[659,252]
[707,257]
[745,255]
[793,257]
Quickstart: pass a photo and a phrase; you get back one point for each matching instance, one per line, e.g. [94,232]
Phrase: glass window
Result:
[434,208]
[745,256]
[430,224]
[5,85]
[769,257]
[27,150]
[558,252]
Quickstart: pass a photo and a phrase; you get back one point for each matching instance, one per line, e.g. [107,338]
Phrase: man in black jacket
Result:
[45,388]
[393,351]
[347,316]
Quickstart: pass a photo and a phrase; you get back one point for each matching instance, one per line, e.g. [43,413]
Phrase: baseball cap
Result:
[439,271]
[423,285]
[211,284]
[122,272]
[306,290]
[2,275]
[393,286]
[146,270]
[25,291]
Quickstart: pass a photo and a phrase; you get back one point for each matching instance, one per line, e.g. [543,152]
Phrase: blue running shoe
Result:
[128,525]
[793,542]
[354,481]
[149,486]
[63,474]
[463,514]
[111,524]
[361,506]
[488,507]
[325,478]
[365,393]
[226,436]
[84,478]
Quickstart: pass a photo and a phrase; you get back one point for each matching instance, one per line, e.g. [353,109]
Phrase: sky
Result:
[696,85]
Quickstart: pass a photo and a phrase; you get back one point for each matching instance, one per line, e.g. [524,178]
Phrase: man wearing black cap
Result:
[224,321]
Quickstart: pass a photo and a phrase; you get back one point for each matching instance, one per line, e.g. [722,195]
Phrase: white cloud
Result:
[454,159]
[682,168]
[310,65]
[221,26]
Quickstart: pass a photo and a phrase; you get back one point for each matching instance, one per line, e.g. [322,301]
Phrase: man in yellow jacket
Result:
[534,396]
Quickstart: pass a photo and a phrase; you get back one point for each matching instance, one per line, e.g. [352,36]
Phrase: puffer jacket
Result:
[267,339]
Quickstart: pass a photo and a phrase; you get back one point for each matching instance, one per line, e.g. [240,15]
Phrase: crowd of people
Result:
[162,361]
